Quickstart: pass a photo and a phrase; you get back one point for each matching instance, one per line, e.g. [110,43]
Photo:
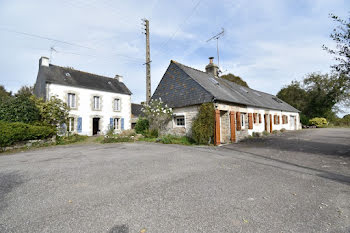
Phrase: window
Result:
[71,100]
[243,120]
[116,104]
[96,102]
[180,121]
[71,124]
[116,123]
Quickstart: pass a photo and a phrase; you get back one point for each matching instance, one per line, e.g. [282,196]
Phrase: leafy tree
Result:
[341,35]
[157,113]
[4,93]
[294,95]
[52,112]
[203,125]
[26,91]
[19,109]
[236,79]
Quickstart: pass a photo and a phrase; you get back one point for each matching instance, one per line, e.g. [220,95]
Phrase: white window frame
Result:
[119,103]
[71,103]
[97,104]
[243,116]
[175,121]
[116,123]
[71,124]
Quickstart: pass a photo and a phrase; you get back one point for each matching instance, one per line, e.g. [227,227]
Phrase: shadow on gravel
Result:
[8,182]
[324,174]
[295,145]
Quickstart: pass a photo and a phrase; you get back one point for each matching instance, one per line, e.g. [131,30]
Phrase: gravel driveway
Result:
[298,182]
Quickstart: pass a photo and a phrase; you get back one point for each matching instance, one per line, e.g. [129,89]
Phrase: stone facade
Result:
[259,126]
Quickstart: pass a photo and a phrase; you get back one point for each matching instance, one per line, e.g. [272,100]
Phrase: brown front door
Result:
[265,121]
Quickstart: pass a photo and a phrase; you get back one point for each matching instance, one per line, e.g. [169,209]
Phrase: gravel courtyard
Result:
[298,182]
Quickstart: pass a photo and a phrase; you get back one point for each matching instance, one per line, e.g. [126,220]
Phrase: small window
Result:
[243,89]
[243,120]
[116,123]
[96,102]
[71,100]
[71,124]
[180,120]
[116,104]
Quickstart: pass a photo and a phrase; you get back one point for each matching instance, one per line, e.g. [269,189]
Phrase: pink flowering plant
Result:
[157,113]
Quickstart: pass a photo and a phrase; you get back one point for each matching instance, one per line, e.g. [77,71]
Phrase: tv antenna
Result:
[216,37]
[52,49]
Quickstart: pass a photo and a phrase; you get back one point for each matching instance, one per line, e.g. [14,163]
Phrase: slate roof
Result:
[184,86]
[76,78]
[136,110]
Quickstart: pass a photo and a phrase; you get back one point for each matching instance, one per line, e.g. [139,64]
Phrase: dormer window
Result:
[97,103]
[71,100]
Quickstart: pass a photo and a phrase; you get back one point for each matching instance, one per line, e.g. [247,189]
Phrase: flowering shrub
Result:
[157,113]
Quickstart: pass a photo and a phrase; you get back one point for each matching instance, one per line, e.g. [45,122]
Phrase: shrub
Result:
[18,131]
[127,133]
[172,139]
[142,125]
[152,133]
[283,130]
[319,122]
[203,125]
[304,119]
[274,131]
[265,133]
[19,109]
[256,135]
[117,139]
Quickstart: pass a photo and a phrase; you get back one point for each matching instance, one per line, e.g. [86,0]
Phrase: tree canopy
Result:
[236,79]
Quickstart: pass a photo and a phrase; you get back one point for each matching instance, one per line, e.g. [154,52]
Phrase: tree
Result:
[19,109]
[294,95]
[53,112]
[341,35]
[236,79]
[158,114]
[4,93]
[25,90]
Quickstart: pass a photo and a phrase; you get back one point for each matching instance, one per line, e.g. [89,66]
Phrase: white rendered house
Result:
[96,102]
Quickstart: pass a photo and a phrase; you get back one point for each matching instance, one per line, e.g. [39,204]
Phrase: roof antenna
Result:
[217,36]
[52,49]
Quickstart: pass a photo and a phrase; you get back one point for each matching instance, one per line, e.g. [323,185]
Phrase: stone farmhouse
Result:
[96,102]
[239,111]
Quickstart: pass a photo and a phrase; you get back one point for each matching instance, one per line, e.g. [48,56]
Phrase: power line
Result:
[44,38]
[180,26]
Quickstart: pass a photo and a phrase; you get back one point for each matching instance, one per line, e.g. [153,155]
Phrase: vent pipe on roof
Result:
[212,68]
[119,78]
[44,61]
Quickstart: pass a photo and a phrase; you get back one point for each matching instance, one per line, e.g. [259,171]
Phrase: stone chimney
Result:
[212,68]
[44,61]
[119,78]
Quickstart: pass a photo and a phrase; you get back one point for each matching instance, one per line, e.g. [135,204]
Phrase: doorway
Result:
[266,123]
[95,125]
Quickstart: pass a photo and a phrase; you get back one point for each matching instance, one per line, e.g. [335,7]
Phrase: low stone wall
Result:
[27,144]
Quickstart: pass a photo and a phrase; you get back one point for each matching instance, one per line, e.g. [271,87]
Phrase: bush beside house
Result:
[203,125]
[319,122]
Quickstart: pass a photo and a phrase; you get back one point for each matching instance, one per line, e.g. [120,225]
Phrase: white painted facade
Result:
[85,108]
[190,113]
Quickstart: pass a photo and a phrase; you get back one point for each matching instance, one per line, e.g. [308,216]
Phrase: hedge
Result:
[203,125]
[318,122]
[18,131]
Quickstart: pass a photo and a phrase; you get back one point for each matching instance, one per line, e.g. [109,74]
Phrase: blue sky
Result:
[268,43]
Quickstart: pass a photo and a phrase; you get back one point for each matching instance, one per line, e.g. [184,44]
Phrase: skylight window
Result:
[67,74]
[214,81]
[277,100]
[243,89]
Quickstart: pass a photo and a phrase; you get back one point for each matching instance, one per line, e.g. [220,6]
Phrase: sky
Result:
[268,43]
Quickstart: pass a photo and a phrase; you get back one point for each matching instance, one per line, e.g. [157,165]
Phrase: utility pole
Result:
[217,36]
[148,62]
